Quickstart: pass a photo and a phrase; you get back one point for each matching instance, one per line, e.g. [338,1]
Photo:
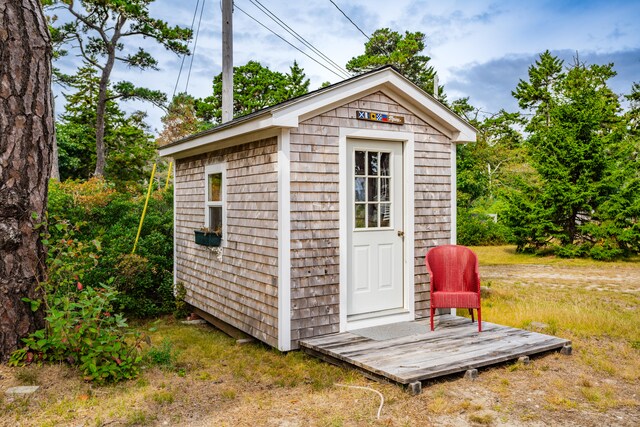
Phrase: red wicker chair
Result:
[455,279]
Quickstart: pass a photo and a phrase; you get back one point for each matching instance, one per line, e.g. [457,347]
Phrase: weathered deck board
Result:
[417,354]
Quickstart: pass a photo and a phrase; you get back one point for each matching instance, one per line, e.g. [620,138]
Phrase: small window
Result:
[215,210]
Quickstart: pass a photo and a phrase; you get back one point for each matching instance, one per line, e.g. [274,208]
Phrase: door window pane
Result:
[360,190]
[359,163]
[384,189]
[372,189]
[385,214]
[372,163]
[360,215]
[372,215]
[384,164]
[215,187]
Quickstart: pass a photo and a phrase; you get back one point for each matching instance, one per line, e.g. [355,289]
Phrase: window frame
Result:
[367,202]
[210,170]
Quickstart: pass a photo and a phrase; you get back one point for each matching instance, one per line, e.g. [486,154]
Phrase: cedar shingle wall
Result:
[240,288]
[315,217]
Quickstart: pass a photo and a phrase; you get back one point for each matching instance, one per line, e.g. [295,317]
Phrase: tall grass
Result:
[603,323]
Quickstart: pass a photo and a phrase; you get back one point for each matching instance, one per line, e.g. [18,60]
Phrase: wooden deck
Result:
[408,352]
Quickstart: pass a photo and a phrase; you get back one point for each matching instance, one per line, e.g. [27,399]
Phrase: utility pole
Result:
[436,87]
[227,60]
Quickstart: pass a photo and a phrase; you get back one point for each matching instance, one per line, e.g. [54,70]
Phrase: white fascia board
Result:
[389,82]
[221,139]
[456,128]
[291,114]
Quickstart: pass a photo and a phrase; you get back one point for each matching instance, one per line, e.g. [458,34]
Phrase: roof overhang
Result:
[269,122]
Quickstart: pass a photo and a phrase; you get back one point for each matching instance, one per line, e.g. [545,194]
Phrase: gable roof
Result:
[289,114]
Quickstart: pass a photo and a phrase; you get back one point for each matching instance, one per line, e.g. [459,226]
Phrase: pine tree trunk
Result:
[101,109]
[26,137]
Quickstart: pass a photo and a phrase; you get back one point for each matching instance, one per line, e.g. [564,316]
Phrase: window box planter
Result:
[207,239]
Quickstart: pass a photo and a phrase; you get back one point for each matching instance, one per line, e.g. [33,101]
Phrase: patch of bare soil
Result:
[625,279]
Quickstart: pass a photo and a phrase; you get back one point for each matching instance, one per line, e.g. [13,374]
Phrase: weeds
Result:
[483,419]
[163,397]
[139,418]
[164,355]
[28,376]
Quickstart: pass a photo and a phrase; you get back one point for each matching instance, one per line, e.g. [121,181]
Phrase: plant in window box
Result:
[208,237]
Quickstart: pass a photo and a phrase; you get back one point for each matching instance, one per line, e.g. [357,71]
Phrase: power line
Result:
[350,20]
[291,31]
[295,34]
[289,43]
[195,13]
[195,45]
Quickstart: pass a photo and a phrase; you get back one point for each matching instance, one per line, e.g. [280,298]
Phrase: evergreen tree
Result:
[129,144]
[296,82]
[254,87]
[386,47]
[538,94]
[26,129]
[99,30]
[579,146]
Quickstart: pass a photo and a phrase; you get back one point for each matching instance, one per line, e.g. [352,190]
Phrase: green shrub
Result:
[82,327]
[571,251]
[140,280]
[477,229]
[112,218]
[605,252]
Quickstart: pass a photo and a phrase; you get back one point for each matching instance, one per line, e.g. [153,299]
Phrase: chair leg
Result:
[479,319]
[471,313]
[433,310]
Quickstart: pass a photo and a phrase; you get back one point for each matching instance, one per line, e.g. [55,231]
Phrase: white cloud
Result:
[478,47]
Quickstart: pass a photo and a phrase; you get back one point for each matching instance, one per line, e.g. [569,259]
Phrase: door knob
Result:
[400,233]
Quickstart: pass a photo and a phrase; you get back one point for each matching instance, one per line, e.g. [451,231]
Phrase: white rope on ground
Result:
[370,389]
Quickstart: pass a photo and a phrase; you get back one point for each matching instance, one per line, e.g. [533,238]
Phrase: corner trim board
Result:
[284,240]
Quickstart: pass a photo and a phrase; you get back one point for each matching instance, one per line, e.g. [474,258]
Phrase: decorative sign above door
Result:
[379,117]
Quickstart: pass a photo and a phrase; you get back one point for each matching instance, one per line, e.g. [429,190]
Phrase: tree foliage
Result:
[254,87]
[99,29]
[484,169]
[386,47]
[129,144]
[101,213]
[584,199]
[180,119]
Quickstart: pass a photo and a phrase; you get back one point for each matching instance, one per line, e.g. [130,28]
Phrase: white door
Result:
[375,228]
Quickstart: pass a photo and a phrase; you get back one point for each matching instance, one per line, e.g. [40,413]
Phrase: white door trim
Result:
[407,139]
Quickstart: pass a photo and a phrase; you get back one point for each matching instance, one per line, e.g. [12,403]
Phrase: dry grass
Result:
[208,379]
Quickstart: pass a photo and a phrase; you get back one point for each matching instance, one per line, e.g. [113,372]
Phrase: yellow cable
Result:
[166,184]
[144,211]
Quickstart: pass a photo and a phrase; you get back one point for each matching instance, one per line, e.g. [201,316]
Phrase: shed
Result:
[327,204]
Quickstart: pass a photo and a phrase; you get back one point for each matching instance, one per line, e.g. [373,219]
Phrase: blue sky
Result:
[479,48]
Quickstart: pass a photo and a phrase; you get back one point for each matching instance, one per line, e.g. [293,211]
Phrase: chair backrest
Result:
[453,268]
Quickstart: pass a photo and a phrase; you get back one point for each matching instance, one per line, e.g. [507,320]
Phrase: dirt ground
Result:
[553,390]
[625,279]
